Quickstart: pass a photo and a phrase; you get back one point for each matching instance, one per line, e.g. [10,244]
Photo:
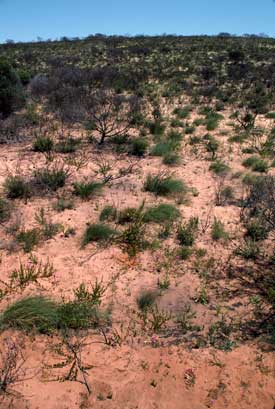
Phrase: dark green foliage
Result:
[182,113]
[29,239]
[108,213]
[249,250]
[186,232]
[146,299]
[171,159]
[51,179]
[15,187]
[11,90]
[98,232]
[156,128]
[43,144]
[164,185]
[86,189]
[4,210]
[77,315]
[32,313]
[139,147]
[256,164]
[164,147]
[161,213]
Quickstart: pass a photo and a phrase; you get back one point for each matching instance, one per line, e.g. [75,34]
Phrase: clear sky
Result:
[24,20]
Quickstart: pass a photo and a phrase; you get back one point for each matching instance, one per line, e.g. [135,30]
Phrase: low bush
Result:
[161,213]
[164,185]
[219,167]
[98,232]
[86,189]
[186,232]
[4,210]
[43,144]
[51,179]
[139,147]
[146,299]
[108,213]
[15,187]
[68,145]
[218,232]
[29,239]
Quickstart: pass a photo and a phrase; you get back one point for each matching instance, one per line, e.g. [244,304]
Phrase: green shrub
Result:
[4,210]
[270,115]
[139,147]
[156,128]
[15,187]
[98,232]
[51,179]
[86,189]
[32,313]
[161,213]
[186,232]
[29,239]
[108,213]
[77,315]
[171,159]
[219,167]
[164,185]
[249,250]
[43,144]
[218,232]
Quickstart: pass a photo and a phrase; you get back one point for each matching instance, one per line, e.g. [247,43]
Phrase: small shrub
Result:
[249,250]
[256,164]
[171,159]
[77,315]
[29,239]
[161,213]
[182,113]
[139,147]
[163,148]
[164,185]
[43,144]
[98,233]
[15,187]
[86,189]
[218,232]
[108,213]
[51,179]
[186,232]
[128,215]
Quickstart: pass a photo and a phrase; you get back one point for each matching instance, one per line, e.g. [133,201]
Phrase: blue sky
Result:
[24,20]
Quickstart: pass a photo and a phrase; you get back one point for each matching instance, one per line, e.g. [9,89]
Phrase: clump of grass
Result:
[32,313]
[29,239]
[86,189]
[182,113]
[43,144]
[51,179]
[15,187]
[78,315]
[249,250]
[4,210]
[161,213]
[218,232]
[108,213]
[164,185]
[219,167]
[146,299]
[98,232]
[186,232]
